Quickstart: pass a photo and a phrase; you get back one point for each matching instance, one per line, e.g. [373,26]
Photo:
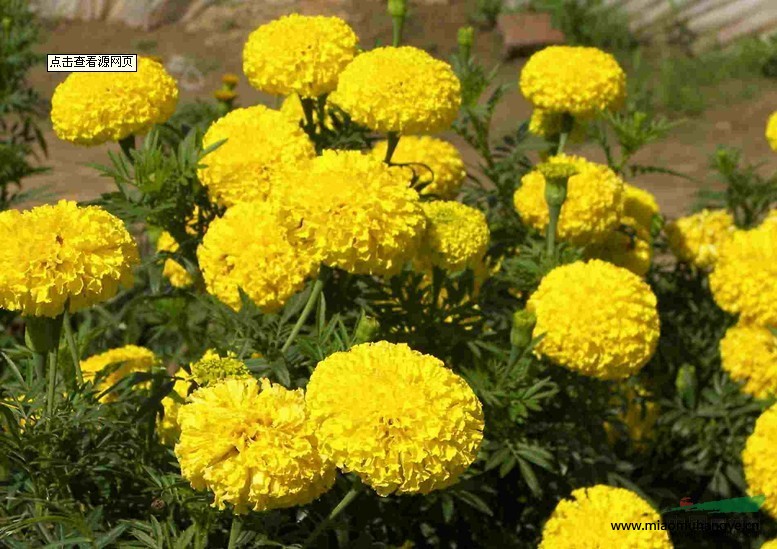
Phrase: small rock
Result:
[525,32]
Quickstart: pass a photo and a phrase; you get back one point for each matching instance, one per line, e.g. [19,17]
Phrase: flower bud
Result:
[523,326]
[466,39]
[397,8]
[366,330]
[686,384]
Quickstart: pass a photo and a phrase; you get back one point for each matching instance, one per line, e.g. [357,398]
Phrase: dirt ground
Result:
[433,28]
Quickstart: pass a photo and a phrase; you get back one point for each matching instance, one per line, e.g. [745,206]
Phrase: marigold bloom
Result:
[629,246]
[697,238]
[353,212]
[743,280]
[640,205]
[108,368]
[597,319]
[457,236]
[749,354]
[771,544]
[758,459]
[260,144]
[178,276]
[397,418]
[299,54]
[62,255]
[584,521]
[248,248]
[212,367]
[436,163]
[252,445]
[593,207]
[402,90]
[771,131]
[576,80]
[90,108]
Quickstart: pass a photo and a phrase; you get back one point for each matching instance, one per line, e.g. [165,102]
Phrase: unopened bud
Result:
[686,384]
[397,8]
[523,326]
[466,39]
[366,330]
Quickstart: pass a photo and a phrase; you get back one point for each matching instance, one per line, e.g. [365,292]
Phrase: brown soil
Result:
[432,27]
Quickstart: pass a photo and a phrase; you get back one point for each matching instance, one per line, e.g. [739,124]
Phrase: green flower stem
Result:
[393,141]
[127,144]
[52,382]
[397,9]
[321,110]
[234,531]
[71,344]
[308,107]
[399,24]
[39,360]
[312,299]
[567,123]
[550,238]
[324,524]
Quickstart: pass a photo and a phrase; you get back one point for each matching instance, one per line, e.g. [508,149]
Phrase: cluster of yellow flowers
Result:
[749,354]
[592,209]
[212,368]
[90,108]
[397,418]
[457,236]
[62,256]
[697,238]
[585,521]
[758,459]
[596,319]
[108,368]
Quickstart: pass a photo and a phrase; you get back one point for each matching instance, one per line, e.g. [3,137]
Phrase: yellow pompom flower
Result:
[771,544]
[261,143]
[252,444]
[212,368]
[697,238]
[749,354]
[167,427]
[758,460]
[90,108]
[353,212]
[576,80]
[771,131]
[640,205]
[108,368]
[62,255]
[248,248]
[436,163]
[743,280]
[399,419]
[457,236]
[403,90]
[583,521]
[597,319]
[299,54]
[630,246]
[593,206]
[175,272]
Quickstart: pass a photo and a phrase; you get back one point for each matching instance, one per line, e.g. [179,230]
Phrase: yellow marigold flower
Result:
[640,205]
[260,143]
[456,237]
[400,420]
[212,367]
[771,131]
[548,124]
[597,319]
[61,255]
[299,54]
[770,219]
[175,272]
[697,238]
[630,246]
[108,368]
[90,108]
[402,90]
[292,108]
[593,206]
[167,427]
[758,459]
[771,544]
[743,280]
[353,212]
[248,248]
[436,163]
[575,80]
[583,522]
[253,445]
[749,354]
